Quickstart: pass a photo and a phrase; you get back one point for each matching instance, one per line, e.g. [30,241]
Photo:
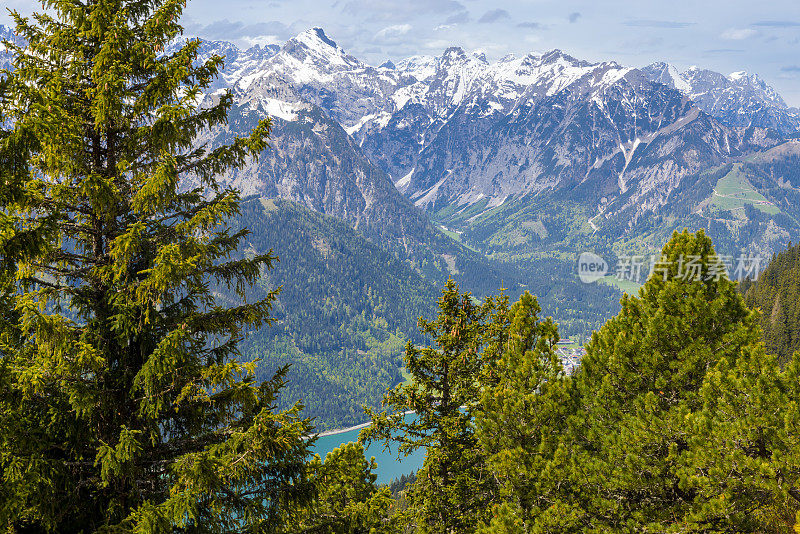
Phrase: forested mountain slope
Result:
[777,294]
[347,308]
[344,313]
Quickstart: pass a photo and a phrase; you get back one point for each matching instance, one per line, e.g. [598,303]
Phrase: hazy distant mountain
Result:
[739,99]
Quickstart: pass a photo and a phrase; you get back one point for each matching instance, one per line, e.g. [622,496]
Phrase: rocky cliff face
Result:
[457,134]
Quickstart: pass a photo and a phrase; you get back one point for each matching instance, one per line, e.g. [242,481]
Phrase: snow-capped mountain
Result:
[238,64]
[6,34]
[312,90]
[738,99]
[308,87]
[455,131]
[467,131]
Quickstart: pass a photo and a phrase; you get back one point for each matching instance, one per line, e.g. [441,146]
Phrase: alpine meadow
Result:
[251,282]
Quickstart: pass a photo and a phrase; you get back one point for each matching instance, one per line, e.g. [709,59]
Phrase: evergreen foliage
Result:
[123,405]
[676,420]
[347,501]
[522,411]
[639,382]
[452,487]
[131,399]
[777,294]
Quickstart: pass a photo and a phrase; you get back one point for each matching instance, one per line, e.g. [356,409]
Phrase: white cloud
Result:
[391,34]
[392,10]
[393,31]
[263,40]
[739,34]
[438,44]
[226,30]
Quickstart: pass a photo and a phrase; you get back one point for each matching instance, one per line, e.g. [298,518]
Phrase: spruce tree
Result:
[453,488]
[122,403]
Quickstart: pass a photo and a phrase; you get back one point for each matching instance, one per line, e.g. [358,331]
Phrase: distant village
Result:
[571,352]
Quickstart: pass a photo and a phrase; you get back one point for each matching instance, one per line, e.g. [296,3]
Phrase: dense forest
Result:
[776,293]
[345,310]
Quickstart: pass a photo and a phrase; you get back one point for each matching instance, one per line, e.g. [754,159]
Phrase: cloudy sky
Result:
[724,35]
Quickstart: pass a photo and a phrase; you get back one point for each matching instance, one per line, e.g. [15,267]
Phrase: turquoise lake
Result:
[388,465]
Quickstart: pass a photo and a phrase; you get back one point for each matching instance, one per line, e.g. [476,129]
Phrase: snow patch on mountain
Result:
[279,109]
[457,129]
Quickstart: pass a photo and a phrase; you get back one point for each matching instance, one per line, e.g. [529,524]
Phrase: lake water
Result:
[388,466]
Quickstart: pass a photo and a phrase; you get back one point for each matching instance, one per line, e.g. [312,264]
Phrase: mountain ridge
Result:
[458,134]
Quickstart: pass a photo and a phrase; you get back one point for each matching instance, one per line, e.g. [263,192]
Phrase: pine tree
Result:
[452,488]
[122,404]
[348,501]
[639,385]
[521,418]
[676,421]
[743,457]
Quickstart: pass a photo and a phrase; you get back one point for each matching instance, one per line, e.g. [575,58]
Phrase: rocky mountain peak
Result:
[758,86]
[313,46]
[315,38]
[480,56]
[738,99]
[666,74]
[454,53]
[556,55]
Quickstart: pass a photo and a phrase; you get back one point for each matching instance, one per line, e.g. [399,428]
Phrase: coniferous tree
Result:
[642,380]
[348,501]
[122,403]
[452,490]
[743,458]
[676,421]
[521,419]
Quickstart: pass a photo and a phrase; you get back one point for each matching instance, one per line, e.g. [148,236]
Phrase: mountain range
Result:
[488,149]
[516,157]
